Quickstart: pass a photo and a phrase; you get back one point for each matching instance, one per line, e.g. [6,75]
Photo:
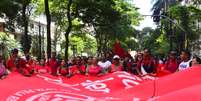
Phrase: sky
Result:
[144,9]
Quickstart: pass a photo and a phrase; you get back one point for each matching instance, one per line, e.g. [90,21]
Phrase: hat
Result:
[116,57]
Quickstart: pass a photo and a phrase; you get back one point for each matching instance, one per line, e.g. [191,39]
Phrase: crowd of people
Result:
[143,63]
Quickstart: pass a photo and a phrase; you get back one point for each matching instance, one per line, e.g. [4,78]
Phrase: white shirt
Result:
[104,65]
[184,65]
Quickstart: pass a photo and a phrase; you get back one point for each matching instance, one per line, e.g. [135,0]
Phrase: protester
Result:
[148,63]
[12,62]
[127,64]
[42,68]
[105,64]
[3,70]
[93,68]
[53,63]
[171,64]
[72,68]
[196,61]
[186,60]
[25,65]
[136,66]
[63,69]
[116,64]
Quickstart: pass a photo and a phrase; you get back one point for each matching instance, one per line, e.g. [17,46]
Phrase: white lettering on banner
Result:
[49,95]
[50,79]
[129,80]
[98,85]
[62,96]
[136,99]
[148,77]
[58,82]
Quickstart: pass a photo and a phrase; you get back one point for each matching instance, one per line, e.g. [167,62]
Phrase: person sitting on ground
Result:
[92,67]
[78,67]
[186,60]
[116,64]
[12,62]
[3,70]
[54,64]
[63,69]
[25,65]
[171,64]
[42,68]
[196,61]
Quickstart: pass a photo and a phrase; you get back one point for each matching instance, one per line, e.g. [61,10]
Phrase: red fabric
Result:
[53,65]
[63,70]
[42,69]
[171,66]
[73,69]
[115,68]
[118,86]
[94,70]
[11,64]
[82,68]
[118,50]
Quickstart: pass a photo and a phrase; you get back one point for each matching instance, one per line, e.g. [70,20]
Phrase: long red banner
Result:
[119,86]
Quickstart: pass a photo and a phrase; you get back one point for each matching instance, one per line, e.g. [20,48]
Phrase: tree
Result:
[188,32]
[9,10]
[25,40]
[48,16]
[7,43]
[69,28]
[110,19]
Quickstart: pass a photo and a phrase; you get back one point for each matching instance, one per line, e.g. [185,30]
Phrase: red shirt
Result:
[11,64]
[42,69]
[94,70]
[53,65]
[73,69]
[171,65]
[115,68]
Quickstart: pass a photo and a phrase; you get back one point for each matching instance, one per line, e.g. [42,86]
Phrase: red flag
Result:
[118,50]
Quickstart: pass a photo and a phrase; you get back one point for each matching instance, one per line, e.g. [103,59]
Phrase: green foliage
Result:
[153,39]
[187,16]
[83,43]
[7,43]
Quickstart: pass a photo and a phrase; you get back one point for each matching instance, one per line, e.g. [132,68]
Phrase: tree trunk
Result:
[25,24]
[47,12]
[68,30]
[39,37]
